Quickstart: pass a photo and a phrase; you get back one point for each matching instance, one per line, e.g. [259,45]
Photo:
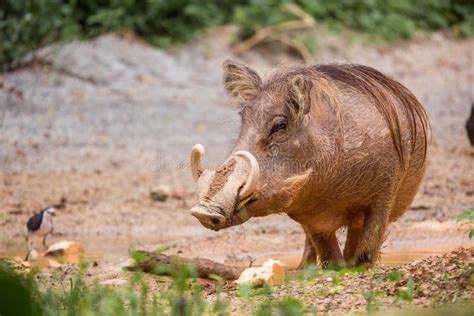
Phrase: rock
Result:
[24,264]
[160,193]
[272,272]
[17,264]
[126,263]
[65,251]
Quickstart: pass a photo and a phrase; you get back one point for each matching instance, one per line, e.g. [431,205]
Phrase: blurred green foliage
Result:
[28,24]
[17,292]
[21,296]
[466,219]
[392,19]
[21,293]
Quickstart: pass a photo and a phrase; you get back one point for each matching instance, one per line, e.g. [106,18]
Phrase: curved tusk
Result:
[254,174]
[196,168]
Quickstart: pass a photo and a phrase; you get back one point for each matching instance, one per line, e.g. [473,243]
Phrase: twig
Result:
[205,268]
[252,260]
[297,45]
[268,31]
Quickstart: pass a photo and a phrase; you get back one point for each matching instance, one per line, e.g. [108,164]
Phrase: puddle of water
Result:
[408,255]
[390,257]
[95,248]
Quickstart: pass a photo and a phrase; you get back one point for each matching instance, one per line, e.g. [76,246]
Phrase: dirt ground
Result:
[96,126]
[438,281]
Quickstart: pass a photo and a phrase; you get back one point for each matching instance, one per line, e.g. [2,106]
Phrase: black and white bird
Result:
[470,126]
[41,224]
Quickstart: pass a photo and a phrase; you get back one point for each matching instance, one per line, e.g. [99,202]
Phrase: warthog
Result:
[335,145]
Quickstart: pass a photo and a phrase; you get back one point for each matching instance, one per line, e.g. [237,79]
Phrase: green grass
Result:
[51,294]
[466,219]
[21,295]
[407,294]
[28,24]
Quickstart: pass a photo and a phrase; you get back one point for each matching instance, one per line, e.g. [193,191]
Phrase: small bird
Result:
[40,224]
[470,125]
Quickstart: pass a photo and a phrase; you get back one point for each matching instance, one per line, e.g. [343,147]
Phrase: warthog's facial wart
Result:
[224,193]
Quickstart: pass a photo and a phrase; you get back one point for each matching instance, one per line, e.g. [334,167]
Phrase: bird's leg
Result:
[27,239]
[27,248]
[44,242]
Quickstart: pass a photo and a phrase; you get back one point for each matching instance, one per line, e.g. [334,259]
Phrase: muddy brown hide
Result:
[332,146]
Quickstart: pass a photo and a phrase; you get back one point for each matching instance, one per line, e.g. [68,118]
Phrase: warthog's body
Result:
[330,145]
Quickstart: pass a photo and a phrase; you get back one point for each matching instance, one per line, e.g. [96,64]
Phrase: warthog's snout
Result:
[208,218]
[223,193]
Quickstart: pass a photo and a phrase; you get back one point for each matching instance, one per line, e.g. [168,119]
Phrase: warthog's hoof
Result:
[365,260]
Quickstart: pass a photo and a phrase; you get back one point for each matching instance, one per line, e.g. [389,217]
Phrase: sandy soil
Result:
[95,126]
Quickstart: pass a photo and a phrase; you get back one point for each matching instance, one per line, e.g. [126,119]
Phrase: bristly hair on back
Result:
[383,90]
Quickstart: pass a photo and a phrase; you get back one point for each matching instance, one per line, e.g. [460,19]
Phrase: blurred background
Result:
[101,102]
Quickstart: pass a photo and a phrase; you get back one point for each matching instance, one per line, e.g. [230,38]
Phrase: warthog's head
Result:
[268,166]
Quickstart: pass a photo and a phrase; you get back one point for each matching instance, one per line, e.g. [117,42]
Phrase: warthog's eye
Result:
[280,124]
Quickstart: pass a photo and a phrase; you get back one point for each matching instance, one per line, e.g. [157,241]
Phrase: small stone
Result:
[272,272]
[33,255]
[66,251]
[123,264]
[160,193]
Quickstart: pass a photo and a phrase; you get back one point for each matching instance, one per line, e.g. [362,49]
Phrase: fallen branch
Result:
[266,32]
[304,21]
[205,268]
[296,45]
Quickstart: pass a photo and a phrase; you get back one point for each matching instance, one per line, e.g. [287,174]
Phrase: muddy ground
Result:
[95,126]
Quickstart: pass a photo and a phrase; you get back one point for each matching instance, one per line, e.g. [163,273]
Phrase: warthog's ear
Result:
[241,81]
[300,100]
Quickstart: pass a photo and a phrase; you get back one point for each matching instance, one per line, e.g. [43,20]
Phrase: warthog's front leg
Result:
[327,248]
[309,254]
[352,241]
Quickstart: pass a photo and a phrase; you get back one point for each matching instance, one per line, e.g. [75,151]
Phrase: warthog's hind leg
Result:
[309,254]
[373,233]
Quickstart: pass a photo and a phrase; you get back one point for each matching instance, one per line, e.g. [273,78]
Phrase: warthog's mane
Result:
[383,91]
